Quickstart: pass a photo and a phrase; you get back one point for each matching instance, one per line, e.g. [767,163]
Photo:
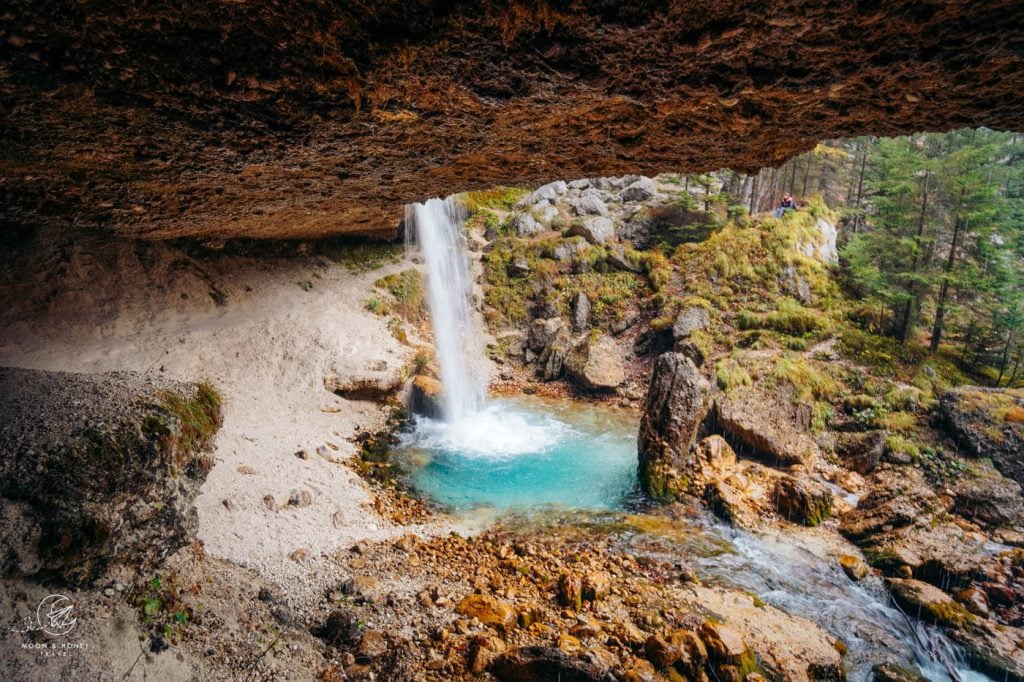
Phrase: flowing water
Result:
[573,466]
[436,226]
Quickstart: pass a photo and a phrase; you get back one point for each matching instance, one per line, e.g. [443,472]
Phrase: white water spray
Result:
[436,226]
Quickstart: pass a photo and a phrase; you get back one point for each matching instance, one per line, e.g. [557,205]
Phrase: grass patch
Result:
[729,374]
[808,382]
[363,257]
[790,318]
[198,415]
[502,198]
[407,289]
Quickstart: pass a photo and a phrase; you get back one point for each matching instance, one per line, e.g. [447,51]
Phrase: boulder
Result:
[676,405]
[764,425]
[641,190]
[616,258]
[928,603]
[823,246]
[542,332]
[99,472]
[985,496]
[544,664]
[716,452]
[861,452]
[489,610]
[426,397]
[581,184]
[988,422]
[551,364]
[689,320]
[525,225]
[375,380]
[580,312]
[595,364]
[788,647]
[854,567]
[545,215]
[597,230]
[519,267]
[802,501]
[902,525]
[588,204]
[550,192]
[567,249]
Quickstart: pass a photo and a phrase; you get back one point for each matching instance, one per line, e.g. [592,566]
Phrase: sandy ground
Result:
[281,325]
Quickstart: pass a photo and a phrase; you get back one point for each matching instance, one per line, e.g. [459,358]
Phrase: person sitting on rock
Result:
[787,204]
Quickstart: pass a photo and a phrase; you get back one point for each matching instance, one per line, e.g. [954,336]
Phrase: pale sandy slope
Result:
[94,306]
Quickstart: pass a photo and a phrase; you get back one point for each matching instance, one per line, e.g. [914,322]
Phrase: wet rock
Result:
[854,567]
[689,320]
[580,312]
[717,453]
[525,225]
[988,423]
[802,501]
[928,603]
[425,398]
[544,664]
[861,452]
[890,672]
[764,424]
[659,652]
[983,495]
[595,364]
[974,600]
[729,503]
[488,610]
[641,190]
[902,524]
[676,404]
[597,230]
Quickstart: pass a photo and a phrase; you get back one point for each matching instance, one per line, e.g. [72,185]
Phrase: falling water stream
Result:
[543,462]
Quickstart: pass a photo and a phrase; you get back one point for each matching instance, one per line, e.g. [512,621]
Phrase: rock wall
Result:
[306,118]
[98,470]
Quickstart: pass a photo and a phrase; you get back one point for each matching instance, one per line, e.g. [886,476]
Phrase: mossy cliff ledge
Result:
[99,470]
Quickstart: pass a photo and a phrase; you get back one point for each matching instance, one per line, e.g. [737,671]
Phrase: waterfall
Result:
[436,226]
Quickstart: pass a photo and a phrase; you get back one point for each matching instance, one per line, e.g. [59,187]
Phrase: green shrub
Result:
[808,382]
[407,288]
[729,373]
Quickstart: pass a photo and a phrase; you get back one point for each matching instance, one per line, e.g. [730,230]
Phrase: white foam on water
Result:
[497,432]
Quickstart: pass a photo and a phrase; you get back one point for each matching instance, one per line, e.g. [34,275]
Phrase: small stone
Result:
[302,454]
[109,592]
[854,567]
[246,470]
[483,649]
[488,610]
[299,555]
[569,644]
[300,498]
[596,585]
[269,502]
[228,503]
[570,591]
[372,646]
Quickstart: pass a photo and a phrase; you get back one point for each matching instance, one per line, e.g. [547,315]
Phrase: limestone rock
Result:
[372,646]
[983,495]
[988,423]
[569,248]
[542,332]
[689,320]
[861,452]
[552,359]
[597,230]
[525,225]
[580,312]
[376,380]
[676,404]
[550,192]
[641,190]
[763,423]
[426,397]
[802,501]
[483,649]
[488,610]
[854,567]
[543,664]
[595,364]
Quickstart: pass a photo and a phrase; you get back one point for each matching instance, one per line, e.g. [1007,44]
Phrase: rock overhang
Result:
[304,118]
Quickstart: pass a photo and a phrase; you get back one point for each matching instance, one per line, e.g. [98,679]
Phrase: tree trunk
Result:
[753,192]
[907,323]
[1005,361]
[940,304]
[807,173]
[860,187]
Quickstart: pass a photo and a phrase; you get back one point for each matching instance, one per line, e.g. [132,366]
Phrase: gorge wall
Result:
[304,118]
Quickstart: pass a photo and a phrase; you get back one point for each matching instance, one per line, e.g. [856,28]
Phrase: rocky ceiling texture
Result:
[306,118]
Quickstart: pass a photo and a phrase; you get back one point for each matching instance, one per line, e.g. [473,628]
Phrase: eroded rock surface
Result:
[301,119]
[988,423]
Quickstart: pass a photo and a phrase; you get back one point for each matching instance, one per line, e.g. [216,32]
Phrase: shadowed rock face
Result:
[303,118]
